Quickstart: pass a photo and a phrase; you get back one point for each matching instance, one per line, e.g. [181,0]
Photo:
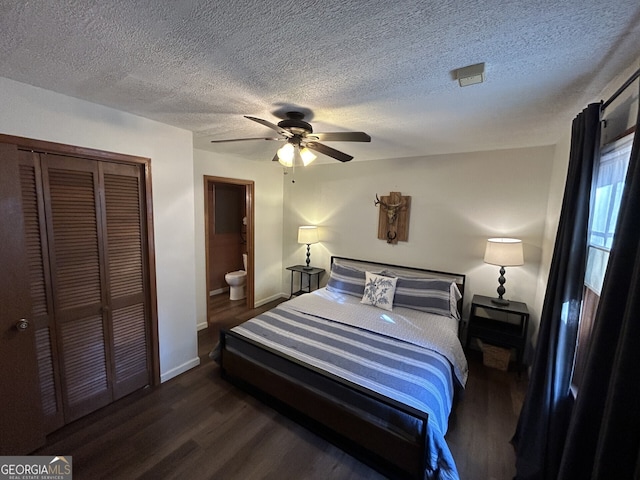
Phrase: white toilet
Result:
[237,280]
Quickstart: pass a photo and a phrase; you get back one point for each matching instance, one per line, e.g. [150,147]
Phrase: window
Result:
[605,203]
[606,195]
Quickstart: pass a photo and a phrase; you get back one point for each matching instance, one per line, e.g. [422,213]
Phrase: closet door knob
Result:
[22,324]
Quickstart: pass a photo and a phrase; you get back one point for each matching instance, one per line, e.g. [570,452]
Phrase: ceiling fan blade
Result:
[273,126]
[341,137]
[244,139]
[275,158]
[331,152]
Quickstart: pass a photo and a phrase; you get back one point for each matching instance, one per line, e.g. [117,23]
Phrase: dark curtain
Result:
[604,435]
[544,419]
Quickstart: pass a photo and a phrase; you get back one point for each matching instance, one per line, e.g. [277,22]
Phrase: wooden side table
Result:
[502,326]
[309,274]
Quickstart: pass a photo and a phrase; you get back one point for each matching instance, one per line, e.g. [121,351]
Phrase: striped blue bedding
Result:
[370,357]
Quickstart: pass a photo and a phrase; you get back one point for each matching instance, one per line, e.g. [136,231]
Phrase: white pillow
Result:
[379,291]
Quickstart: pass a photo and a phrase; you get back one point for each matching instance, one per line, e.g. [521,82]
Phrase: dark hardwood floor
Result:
[225,313]
[197,426]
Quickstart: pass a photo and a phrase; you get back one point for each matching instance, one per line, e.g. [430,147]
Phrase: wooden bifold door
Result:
[85,242]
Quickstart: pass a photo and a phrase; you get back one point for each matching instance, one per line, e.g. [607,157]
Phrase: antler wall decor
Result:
[393,220]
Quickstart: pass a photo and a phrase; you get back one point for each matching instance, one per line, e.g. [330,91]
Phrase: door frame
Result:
[250,214]
[145,166]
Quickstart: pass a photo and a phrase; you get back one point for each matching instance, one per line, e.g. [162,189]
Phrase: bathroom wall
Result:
[226,240]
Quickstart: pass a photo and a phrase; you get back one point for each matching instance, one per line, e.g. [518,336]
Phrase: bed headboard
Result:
[404,270]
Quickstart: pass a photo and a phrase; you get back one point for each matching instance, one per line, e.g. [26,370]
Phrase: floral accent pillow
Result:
[379,291]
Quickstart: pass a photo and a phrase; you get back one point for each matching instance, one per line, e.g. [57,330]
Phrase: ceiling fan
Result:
[300,139]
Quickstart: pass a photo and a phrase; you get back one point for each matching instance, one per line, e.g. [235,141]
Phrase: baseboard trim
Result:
[270,299]
[174,372]
[201,326]
[218,291]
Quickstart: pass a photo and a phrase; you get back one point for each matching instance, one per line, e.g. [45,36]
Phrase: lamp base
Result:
[308,257]
[501,281]
[500,301]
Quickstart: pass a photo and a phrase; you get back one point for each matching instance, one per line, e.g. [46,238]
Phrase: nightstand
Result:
[502,326]
[305,273]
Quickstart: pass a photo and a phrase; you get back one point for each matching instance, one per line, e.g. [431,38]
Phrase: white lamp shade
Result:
[504,252]
[285,155]
[308,234]
[307,156]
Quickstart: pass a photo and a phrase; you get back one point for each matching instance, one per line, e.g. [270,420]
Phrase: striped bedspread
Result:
[362,348]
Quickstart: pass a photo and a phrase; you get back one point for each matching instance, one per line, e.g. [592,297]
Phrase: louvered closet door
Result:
[94,214]
[41,294]
[21,429]
[126,276]
[78,282]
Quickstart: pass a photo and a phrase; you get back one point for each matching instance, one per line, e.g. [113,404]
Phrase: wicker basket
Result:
[495,357]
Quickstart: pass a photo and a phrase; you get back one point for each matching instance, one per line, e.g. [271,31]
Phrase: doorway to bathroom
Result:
[229,233]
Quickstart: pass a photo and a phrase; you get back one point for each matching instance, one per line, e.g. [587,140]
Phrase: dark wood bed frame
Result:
[336,409]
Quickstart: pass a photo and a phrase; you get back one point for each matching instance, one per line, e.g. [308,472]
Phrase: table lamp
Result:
[503,252]
[308,234]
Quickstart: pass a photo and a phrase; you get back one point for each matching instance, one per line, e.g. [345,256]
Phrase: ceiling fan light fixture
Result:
[307,156]
[285,155]
[299,138]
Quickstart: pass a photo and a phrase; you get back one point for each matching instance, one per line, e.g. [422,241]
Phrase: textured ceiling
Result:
[386,68]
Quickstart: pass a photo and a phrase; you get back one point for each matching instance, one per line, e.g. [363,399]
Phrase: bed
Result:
[371,362]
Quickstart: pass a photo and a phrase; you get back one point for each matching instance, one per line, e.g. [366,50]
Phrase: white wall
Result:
[557,180]
[268,223]
[40,114]
[622,112]
[458,201]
